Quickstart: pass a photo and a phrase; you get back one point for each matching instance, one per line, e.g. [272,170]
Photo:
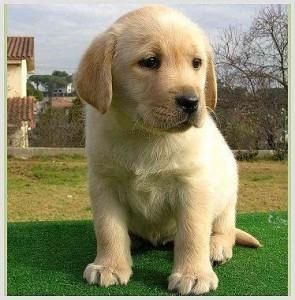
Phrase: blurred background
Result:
[45,44]
[46,119]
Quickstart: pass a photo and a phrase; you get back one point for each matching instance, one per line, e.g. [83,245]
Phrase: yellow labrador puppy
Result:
[158,166]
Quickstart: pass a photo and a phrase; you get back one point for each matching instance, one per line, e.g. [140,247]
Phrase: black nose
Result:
[189,104]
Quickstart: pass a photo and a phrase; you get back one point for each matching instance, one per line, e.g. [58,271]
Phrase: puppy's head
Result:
[155,66]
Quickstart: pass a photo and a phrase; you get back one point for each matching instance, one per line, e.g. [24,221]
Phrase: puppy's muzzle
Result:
[189,104]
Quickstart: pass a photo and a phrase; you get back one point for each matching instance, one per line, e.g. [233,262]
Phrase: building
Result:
[66,90]
[61,91]
[21,119]
[20,62]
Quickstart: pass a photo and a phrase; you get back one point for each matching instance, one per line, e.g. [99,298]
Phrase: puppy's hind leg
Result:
[223,236]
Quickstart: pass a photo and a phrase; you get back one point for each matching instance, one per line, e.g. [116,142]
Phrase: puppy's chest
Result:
[150,196]
[150,184]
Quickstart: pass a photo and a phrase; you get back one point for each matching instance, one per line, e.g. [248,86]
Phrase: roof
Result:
[21,109]
[61,102]
[21,47]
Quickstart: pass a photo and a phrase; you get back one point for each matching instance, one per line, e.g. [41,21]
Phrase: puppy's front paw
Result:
[106,276]
[220,249]
[197,283]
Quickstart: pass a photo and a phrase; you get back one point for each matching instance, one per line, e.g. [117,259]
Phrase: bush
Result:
[31,91]
[281,151]
[250,155]
[239,133]
[60,128]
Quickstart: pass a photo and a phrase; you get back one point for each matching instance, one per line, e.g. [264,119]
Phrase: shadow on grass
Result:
[48,258]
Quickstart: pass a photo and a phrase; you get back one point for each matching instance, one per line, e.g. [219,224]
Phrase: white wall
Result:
[24,72]
[17,78]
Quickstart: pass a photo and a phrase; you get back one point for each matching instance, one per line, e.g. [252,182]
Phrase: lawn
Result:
[56,188]
[48,258]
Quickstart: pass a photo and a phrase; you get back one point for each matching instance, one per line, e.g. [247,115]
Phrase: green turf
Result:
[48,258]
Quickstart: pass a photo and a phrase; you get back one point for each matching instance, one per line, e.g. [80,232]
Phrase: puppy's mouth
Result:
[183,125]
[160,119]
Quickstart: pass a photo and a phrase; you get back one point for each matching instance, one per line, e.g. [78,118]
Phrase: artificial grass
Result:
[48,258]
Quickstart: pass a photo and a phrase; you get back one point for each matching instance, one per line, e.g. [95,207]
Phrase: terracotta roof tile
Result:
[21,109]
[19,47]
[61,102]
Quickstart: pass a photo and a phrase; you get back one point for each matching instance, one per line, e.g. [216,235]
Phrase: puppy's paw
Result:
[106,276]
[220,249]
[196,284]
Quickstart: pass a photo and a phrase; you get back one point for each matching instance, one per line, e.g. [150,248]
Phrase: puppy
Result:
[158,165]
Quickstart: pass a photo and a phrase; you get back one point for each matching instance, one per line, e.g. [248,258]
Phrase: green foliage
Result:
[56,80]
[281,152]
[240,132]
[31,91]
[249,155]
[60,127]
[253,121]
[38,79]
[76,113]
[62,74]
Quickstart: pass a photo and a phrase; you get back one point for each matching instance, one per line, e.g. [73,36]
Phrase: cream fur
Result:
[146,175]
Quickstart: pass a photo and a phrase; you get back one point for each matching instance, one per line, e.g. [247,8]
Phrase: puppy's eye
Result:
[196,63]
[150,63]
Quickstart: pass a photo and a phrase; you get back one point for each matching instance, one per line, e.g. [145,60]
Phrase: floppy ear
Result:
[211,85]
[93,80]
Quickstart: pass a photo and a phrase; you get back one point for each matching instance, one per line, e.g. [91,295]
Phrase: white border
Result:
[291,129]
[2,158]
[3,143]
[209,2]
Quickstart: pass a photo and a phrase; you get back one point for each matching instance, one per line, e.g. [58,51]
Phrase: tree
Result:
[256,60]
[258,57]
[31,91]
[62,74]
[77,119]
[51,82]
[269,37]
[60,127]
[37,79]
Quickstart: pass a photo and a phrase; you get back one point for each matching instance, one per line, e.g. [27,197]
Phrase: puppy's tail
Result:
[245,239]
